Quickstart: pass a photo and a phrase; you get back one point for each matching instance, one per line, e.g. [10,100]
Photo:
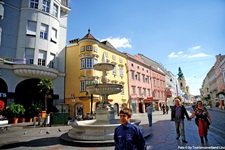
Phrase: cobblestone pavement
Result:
[25,136]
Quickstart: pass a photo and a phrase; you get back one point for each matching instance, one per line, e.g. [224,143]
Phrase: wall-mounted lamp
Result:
[73,98]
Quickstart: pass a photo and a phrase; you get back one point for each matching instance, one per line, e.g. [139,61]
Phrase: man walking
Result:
[149,113]
[178,112]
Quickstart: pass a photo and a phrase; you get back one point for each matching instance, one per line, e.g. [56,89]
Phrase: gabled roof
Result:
[108,44]
[156,66]
[88,36]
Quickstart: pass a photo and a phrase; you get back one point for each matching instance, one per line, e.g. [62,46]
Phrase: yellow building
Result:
[81,55]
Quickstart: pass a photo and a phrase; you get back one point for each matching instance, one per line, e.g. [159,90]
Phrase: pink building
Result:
[158,88]
[139,83]
[218,70]
[158,78]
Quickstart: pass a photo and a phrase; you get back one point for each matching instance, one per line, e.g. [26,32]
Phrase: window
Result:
[46,5]
[42,58]
[154,82]
[44,31]
[82,63]
[147,79]
[139,91]
[113,57]
[133,89]
[114,69]
[144,89]
[54,35]
[82,48]
[34,4]
[95,61]
[138,76]
[55,10]
[143,78]
[29,55]
[88,47]
[121,71]
[31,28]
[132,75]
[120,60]
[52,60]
[82,86]
[153,93]
[95,49]
[89,63]
[149,92]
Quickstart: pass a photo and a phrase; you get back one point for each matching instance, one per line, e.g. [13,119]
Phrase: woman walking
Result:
[202,116]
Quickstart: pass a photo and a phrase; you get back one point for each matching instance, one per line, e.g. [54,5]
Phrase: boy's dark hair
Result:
[126,111]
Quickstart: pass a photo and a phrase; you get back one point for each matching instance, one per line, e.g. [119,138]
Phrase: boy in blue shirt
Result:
[128,136]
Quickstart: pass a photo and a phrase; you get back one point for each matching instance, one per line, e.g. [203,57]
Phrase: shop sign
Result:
[3,95]
[149,98]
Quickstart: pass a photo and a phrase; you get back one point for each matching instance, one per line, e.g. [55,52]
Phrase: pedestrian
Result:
[149,114]
[128,136]
[163,108]
[167,109]
[178,112]
[203,120]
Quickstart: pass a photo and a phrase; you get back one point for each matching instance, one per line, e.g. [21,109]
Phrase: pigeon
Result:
[47,132]
[25,132]
[59,130]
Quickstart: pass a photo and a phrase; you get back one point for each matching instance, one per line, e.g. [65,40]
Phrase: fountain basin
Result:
[104,66]
[88,131]
[101,89]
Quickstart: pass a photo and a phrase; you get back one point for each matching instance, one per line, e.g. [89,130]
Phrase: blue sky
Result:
[175,33]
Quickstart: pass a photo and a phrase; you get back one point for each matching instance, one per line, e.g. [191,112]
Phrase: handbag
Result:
[196,121]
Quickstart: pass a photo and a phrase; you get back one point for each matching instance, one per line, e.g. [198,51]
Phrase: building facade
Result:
[139,83]
[158,79]
[81,55]
[32,46]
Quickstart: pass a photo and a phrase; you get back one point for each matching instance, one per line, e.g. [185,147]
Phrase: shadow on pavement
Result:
[34,143]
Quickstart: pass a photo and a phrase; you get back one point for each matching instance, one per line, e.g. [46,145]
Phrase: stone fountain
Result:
[101,129]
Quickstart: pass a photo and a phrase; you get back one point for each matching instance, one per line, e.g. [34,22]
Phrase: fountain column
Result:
[104,113]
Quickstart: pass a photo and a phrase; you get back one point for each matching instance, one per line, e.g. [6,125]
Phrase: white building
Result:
[32,46]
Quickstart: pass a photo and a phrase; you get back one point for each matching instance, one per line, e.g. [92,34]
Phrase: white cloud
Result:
[180,52]
[173,54]
[198,55]
[194,48]
[118,42]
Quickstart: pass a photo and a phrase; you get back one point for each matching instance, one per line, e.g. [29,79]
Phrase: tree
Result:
[180,73]
[46,87]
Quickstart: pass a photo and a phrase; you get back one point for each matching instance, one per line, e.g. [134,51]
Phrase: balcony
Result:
[35,71]
[21,67]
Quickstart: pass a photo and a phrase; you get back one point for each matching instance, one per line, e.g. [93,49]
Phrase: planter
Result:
[15,120]
[29,119]
[22,120]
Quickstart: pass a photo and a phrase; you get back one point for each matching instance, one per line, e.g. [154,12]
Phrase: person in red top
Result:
[202,116]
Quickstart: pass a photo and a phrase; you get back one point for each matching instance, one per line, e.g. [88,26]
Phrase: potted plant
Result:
[15,110]
[34,109]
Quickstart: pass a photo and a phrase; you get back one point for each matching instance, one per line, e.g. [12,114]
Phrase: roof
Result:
[106,43]
[89,36]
